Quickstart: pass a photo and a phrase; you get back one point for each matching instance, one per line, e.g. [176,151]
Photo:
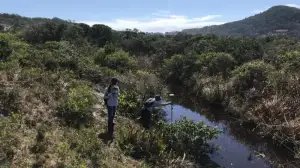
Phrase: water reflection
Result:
[239,146]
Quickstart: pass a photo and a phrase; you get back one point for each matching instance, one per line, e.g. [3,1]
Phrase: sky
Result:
[148,16]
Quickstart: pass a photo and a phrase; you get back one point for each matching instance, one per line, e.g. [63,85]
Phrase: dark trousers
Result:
[146,118]
[111,110]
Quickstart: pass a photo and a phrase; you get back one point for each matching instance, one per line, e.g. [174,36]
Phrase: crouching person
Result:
[149,107]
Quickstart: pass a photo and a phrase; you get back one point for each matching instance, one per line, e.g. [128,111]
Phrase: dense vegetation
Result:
[255,79]
[51,74]
[265,23]
[51,101]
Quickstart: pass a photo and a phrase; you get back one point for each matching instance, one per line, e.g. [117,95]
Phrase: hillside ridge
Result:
[277,19]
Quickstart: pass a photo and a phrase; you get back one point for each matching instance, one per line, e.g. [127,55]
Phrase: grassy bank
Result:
[51,104]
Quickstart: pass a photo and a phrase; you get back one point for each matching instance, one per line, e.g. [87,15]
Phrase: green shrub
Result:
[20,48]
[8,37]
[147,82]
[109,48]
[35,58]
[167,141]
[10,141]
[16,44]
[85,143]
[64,53]
[139,144]
[284,84]
[128,103]
[5,50]
[108,71]
[30,73]
[51,56]
[41,33]
[9,101]
[138,87]
[77,107]
[251,68]
[73,33]
[41,143]
[179,68]
[119,60]
[186,136]
[290,61]
[68,157]
[212,89]
[216,64]
[251,75]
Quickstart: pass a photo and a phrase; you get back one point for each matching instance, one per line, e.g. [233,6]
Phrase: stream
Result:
[238,147]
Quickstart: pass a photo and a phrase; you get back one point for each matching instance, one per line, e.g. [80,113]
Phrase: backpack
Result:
[108,91]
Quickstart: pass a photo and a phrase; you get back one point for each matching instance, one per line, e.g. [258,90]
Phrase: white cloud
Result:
[162,21]
[293,5]
[264,9]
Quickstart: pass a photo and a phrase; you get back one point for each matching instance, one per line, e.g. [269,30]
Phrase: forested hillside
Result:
[53,74]
[266,23]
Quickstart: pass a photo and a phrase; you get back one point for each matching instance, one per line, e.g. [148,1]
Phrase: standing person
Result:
[111,95]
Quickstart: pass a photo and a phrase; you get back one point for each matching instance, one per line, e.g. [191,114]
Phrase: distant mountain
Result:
[172,33]
[276,20]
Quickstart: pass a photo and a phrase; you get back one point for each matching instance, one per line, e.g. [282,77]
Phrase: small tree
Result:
[100,34]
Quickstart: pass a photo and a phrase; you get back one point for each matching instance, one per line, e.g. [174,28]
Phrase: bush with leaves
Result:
[73,33]
[214,64]
[290,61]
[5,50]
[41,33]
[186,136]
[147,83]
[9,127]
[9,101]
[17,46]
[119,60]
[179,68]
[128,103]
[85,143]
[100,34]
[77,106]
[52,56]
[251,75]
[212,88]
[141,144]
[63,53]
[167,141]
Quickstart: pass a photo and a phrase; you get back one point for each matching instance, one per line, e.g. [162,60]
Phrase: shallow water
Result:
[238,149]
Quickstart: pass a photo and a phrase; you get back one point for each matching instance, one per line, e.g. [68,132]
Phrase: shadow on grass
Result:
[106,137]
